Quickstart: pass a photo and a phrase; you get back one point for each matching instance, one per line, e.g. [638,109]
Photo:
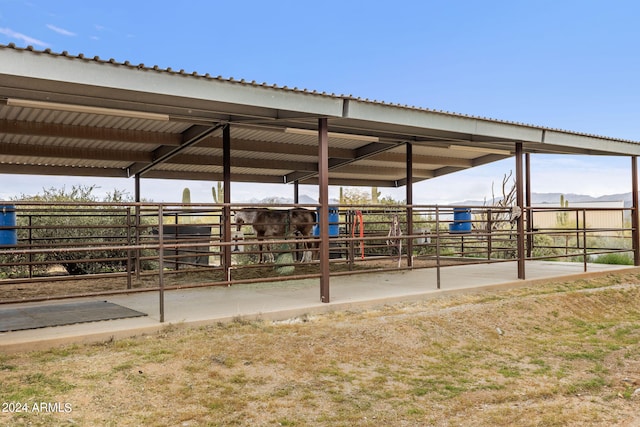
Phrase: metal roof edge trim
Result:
[586,142]
[134,78]
[443,121]
[357,105]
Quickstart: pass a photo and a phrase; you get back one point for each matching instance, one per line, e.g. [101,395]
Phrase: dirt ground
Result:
[559,354]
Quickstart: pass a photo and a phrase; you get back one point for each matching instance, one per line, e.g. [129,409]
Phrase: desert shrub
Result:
[614,258]
[52,222]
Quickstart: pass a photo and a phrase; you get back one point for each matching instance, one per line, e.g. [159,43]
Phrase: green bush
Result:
[614,258]
[83,224]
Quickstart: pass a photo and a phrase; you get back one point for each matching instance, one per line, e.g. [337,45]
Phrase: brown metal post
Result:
[528,218]
[296,192]
[161,261]
[635,218]
[489,239]
[409,154]
[520,203]
[137,224]
[226,210]
[437,247]
[323,181]
[584,239]
[129,251]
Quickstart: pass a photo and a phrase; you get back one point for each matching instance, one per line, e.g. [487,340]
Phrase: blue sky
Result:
[567,64]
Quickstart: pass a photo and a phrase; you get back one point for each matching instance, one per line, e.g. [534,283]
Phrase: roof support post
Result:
[635,218]
[528,217]
[520,204]
[226,210]
[323,181]
[296,192]
[136,195]
[136,189]
[161,261]
[409,198]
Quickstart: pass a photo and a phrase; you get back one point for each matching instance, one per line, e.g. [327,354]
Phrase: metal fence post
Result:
[584,238]
[438,246]
[161,261]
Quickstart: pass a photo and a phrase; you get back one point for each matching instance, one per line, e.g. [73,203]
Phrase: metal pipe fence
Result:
[138,247]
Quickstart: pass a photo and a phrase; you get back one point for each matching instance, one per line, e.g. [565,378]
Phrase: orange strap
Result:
[359,220]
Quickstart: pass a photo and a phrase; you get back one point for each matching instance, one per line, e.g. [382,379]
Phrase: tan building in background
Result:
[609,217]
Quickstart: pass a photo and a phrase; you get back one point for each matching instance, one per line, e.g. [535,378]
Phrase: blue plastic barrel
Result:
[334,222]
[8,219]
[461,221]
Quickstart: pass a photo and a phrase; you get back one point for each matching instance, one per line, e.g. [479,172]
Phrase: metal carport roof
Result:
[73,115]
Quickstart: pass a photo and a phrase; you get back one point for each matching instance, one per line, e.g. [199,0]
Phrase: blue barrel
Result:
[8,219]
[461,221]
[334,222]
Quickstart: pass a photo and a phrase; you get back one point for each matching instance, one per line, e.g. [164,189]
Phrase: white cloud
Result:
[22,37]
[61,30]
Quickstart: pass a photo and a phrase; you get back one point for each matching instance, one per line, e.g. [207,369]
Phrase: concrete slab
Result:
[283,300]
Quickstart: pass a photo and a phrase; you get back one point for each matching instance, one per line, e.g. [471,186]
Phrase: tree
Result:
[503,214]
[354,196]
[360,196]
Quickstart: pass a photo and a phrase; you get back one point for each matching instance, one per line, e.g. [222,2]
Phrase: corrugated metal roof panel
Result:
[94,120]
[35,142]
[274,87]
[52,161]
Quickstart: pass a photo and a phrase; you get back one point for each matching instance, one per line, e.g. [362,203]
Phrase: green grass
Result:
[436,362]
[589,385]
[614,258]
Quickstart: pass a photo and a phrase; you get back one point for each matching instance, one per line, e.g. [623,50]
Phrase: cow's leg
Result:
[305,255]
[260,238]
[269,254]
[264,249]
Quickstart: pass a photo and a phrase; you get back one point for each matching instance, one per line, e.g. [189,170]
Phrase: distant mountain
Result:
[555,198]
[536,198]
[578,198]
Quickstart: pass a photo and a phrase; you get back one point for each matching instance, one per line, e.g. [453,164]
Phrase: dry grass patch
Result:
[556,354]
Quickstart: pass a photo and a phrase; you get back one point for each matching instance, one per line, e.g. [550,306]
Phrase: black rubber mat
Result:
[17,319]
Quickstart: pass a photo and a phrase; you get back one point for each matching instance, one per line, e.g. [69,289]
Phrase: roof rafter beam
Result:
[360,153]
[190,137]
[212,176]
[352,182]
[24,150]
[476,162]
[423,159]
[28,150]
[13,127]
[15,168]
[277,147]
[385,171]
[242,162]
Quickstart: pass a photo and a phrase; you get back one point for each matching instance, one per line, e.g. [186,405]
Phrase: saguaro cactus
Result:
[563,216]
[186,198]
[218,197]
